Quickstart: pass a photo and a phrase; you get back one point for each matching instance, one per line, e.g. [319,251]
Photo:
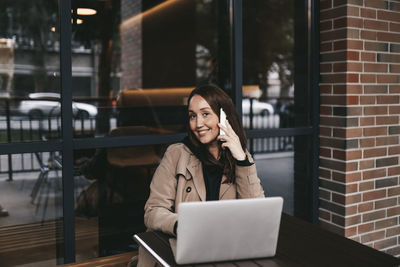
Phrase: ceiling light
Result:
[79,21]
[86,11]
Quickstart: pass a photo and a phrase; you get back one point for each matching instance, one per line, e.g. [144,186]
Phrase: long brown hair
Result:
[217,98]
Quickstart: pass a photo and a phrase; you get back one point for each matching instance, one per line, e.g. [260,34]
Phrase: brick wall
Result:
[131,44]
[359,123]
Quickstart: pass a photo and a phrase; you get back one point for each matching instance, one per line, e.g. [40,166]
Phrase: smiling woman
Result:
[204,166]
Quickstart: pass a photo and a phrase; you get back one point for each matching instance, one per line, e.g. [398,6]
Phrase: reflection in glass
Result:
[277,176]
[271,86]
[29,59]
[31,191]
[116,187]
[138,60]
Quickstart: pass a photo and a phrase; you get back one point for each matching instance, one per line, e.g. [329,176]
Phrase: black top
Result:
[212,173]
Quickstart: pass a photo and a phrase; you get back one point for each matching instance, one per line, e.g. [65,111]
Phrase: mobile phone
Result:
[222,120]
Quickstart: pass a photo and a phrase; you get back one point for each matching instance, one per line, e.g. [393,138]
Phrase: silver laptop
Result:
[227,230]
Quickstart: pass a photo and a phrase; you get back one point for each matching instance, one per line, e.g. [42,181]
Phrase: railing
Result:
[19,128]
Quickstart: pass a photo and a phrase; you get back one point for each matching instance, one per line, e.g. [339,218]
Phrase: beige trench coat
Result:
[179,178]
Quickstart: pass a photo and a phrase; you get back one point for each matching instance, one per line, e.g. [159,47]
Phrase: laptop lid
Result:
[227,230]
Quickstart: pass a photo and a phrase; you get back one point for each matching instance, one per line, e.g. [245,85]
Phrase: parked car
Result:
[44,105]
[258,107]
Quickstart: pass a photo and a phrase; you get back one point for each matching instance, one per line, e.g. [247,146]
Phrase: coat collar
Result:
[190,163]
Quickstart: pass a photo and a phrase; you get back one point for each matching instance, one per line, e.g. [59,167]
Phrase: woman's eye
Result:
[192,116]
[205,114]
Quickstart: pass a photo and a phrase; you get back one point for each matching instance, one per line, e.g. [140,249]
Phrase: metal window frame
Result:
[68,143]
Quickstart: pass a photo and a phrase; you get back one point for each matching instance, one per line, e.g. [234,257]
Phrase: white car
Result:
[258,107]
[48,104]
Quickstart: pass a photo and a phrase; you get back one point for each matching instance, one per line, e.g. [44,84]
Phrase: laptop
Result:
[227,230]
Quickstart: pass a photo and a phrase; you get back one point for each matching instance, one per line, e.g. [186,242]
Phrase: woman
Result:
[204,166]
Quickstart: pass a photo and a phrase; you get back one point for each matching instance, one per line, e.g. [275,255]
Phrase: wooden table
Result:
[300,244]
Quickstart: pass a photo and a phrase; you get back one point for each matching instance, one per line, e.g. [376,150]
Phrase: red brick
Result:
[387,78]
[375,131]
[367,164]
[375,4]
[368,78]
[387,15]
[377,194]
[395,150]
[325,131]
[385,203]
[376,173]
[393,231]
[368,13]
[326,67]
[375,152]
[325,89]
[389,99]
[394,89]
[371,67]
[393,171]
[386,223]
[324,215]
[338,198]
[382,244]
[367,100]
[365,186]
[326,47]
[325,25]
[351,210]
[325,4]
[324,173]
[366,56]
[347,133]
[394,68]
[387,119]
[363,207]
[324,152]
[395,211]
[372,236]
[351,188]
[366,121]
[372,216]
[394,191]
[364,228]
[375,89]
[387,140]
[367,142]
[388,37]
[368,35]
[376,25]
[325,110]
[394,27]
[350,231]
[377,110]
[394,110]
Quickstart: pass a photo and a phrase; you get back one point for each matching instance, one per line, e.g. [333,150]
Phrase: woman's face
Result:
[203,121]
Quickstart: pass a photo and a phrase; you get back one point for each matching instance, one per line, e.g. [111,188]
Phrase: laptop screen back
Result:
[227,230]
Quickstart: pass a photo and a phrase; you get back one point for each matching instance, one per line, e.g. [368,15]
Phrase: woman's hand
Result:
[231,141]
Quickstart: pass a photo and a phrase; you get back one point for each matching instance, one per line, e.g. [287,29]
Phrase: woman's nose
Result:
[199,121]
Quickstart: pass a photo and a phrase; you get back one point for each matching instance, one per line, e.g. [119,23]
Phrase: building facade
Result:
[359,121]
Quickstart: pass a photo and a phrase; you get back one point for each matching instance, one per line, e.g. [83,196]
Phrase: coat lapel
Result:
[224,186]
[194,167]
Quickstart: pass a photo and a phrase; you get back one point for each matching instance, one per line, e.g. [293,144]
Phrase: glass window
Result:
[273,77]
[31,212]
[29,76]
[113,187]
[276,95]
[143,58]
